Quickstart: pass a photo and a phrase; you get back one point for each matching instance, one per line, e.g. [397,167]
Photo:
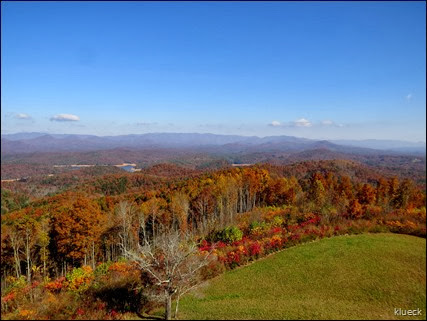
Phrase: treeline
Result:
[48,237]
[103,180]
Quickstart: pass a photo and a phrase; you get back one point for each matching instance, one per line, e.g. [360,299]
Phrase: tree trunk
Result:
[17,266]
[176,307]
[93,255]
[152,226]
[28,257]
[44,263]
[168,305]
[17,261]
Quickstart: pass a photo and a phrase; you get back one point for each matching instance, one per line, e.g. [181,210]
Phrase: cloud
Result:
[17,115]
[327,122]
[65,117]
[302,122]
[145,124]
[275,123]
[330,123]
[409,96]
[22,116]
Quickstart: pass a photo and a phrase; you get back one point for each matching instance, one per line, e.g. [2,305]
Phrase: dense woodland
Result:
[78,225]
[41,163]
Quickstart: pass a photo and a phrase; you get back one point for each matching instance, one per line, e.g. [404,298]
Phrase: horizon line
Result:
[208,133]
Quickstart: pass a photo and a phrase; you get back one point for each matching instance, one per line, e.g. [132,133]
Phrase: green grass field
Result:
[348,277]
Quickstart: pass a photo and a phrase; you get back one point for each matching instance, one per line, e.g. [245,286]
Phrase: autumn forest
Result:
[87,237]
[213,160]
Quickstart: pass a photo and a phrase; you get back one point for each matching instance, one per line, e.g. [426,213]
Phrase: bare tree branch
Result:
[173,260]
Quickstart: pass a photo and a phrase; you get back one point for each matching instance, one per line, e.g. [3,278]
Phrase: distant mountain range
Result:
[393,145]
[41,142]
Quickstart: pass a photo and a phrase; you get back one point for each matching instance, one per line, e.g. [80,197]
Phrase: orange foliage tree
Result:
[76,227]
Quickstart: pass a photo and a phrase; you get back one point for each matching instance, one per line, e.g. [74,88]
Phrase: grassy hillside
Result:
[348,277]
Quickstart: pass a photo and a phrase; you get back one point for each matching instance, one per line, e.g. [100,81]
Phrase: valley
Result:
[213,160]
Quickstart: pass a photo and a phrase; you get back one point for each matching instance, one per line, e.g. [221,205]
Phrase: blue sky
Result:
[326,70]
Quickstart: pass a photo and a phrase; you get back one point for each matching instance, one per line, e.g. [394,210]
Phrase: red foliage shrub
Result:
[295,237]
[233,259]
[276,242]
[255,249]
[57,285]
[8,297]
[276,230]
[205,246]
[220,245]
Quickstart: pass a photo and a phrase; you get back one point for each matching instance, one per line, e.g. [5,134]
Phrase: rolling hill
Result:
[349,277]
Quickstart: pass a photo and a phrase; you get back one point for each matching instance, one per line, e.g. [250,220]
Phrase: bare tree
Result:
[173,261]
[43,243]
[17,242]
[180,207]
[152,208]
[125,214]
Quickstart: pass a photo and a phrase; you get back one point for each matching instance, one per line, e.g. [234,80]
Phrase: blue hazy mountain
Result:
[43,142]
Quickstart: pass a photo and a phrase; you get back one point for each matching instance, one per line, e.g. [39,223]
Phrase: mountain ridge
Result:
[46,142]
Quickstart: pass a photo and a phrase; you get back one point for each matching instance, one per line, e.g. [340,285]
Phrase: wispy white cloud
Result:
[65,117]
[305,123]
[327,122]
[145,124]
[22,116]
[302,122]
[17,115]
[330,123]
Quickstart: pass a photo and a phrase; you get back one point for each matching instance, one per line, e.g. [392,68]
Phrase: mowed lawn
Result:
[347,277]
